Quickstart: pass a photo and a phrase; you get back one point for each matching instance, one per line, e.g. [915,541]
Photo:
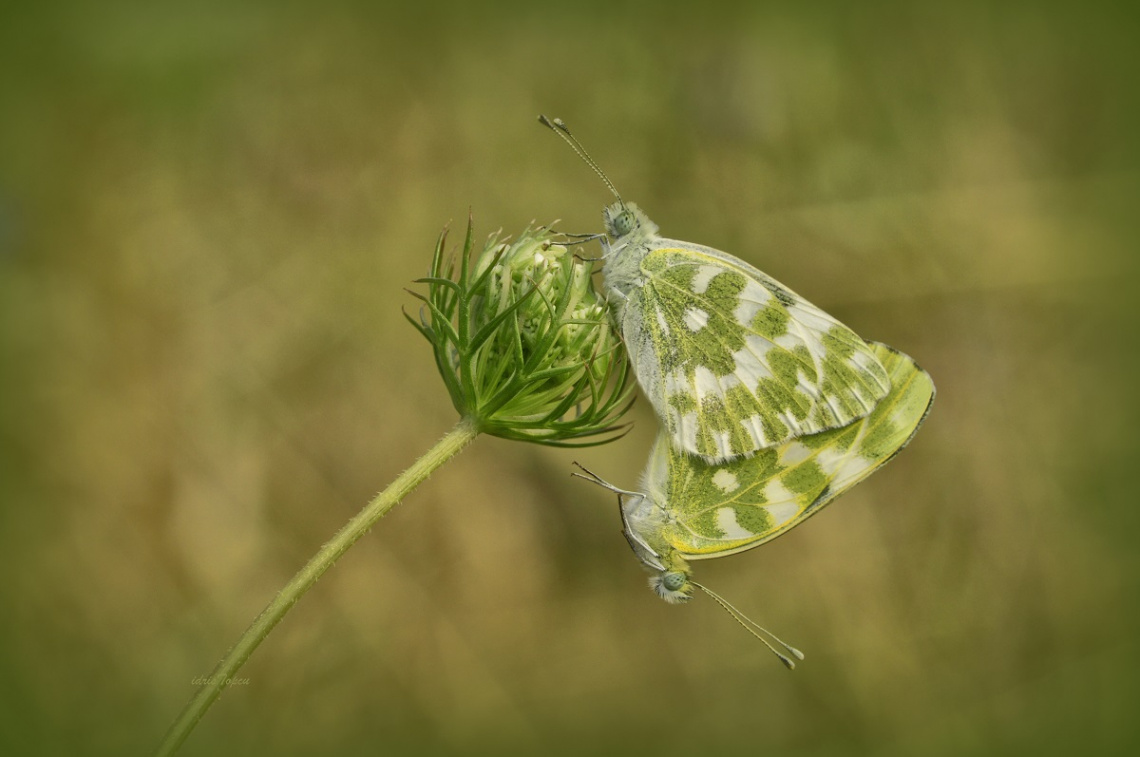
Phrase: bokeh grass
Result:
[207,216]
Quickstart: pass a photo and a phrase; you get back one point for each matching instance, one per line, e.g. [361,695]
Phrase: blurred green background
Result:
[208,213]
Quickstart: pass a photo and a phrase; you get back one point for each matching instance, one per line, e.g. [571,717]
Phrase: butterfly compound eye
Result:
[673,586]
[673,581]
[624,223]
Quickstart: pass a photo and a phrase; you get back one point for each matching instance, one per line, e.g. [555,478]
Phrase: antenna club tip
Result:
[799,655]
[787,662]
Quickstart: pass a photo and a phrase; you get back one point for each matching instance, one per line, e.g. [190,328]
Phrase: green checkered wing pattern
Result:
[718,509]
[733,362]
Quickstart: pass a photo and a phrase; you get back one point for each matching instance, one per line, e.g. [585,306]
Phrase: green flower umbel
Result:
[524,343]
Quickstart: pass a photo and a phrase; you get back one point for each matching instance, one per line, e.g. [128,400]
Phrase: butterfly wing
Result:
[733,362]
[719,509]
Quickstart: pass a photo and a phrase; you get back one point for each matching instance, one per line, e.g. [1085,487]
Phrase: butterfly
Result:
[732,361]
[691,509]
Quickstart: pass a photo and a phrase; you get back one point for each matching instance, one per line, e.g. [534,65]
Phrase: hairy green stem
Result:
[446,448]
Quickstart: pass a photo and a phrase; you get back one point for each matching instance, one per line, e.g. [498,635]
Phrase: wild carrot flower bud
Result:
[524,343]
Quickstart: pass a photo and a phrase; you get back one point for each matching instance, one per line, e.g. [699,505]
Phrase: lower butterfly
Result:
[690,509]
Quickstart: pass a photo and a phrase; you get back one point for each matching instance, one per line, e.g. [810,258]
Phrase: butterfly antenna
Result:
[754,628]
[596,479]
[561,129]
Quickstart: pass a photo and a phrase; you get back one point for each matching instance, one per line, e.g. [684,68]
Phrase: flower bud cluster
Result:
[524,343]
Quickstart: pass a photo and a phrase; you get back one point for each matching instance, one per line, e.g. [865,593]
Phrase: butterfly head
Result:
[672,582]
[625,219]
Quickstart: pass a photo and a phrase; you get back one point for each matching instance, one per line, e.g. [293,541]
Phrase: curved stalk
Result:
[446,448]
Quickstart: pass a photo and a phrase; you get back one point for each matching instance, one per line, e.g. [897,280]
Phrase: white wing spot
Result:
[790,341]
[662,323]
[809,316]
[790,421]
[753,299]
[726,522]
[901,417]
[702,278]
[696,319]
[723,442]
[794,453]
[745,312]
[754,427]
[705,382]
[687,431]
[782,513]
[830,461]
[751,361]
[725,480]
[856,467]
[778,494]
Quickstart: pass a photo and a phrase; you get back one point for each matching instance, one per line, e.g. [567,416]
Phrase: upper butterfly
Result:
[732,361]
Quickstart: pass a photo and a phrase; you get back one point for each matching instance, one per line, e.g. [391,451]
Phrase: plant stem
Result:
[446,448]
